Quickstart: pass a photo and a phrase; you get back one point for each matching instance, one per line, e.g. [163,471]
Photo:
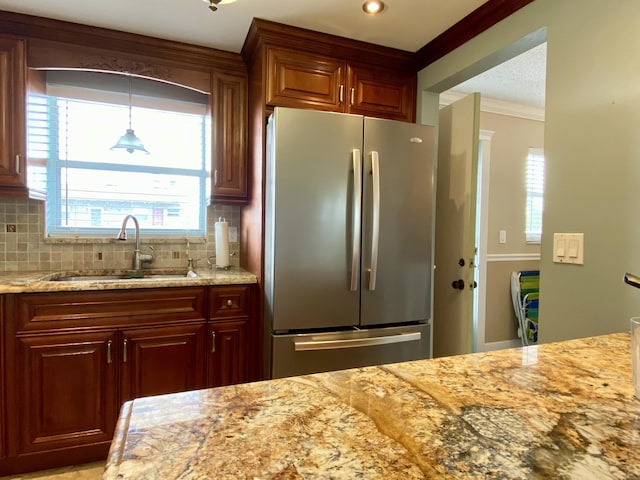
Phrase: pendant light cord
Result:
[130,106]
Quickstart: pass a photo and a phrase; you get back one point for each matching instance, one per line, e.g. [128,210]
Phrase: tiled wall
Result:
[23,246]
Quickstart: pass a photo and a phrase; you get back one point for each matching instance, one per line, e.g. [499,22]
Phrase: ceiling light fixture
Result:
[373,7]
[213,4]
[129,141]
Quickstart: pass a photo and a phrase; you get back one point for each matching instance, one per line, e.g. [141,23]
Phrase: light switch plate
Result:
[568,248]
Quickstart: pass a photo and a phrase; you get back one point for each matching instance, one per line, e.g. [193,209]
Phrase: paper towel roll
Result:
[222,243]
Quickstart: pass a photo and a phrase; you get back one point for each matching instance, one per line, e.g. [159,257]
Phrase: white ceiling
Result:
[520,80]
[405,24]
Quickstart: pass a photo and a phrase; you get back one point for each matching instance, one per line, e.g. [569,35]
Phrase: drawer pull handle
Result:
[213,342]
[109,351]
[124,351]
[229,303]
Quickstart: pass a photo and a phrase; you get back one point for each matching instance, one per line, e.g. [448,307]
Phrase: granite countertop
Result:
[26,282]
[563,410]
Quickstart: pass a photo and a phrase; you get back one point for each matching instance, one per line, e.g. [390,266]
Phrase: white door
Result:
[455,236]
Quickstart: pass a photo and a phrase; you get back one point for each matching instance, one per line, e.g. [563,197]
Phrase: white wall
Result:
[592,149]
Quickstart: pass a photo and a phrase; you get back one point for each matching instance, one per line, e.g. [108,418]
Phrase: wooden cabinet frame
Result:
[44,43]
[122,344]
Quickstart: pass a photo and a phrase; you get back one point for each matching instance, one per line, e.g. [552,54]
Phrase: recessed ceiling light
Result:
[373,6]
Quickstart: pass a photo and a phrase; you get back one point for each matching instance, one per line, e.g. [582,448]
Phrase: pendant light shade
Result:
[129,141]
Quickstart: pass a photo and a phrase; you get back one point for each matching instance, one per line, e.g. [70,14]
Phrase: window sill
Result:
[87,240]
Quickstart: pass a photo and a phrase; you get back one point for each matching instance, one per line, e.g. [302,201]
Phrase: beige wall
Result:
[592,150]
[510,143]
[507,190]
[26,249]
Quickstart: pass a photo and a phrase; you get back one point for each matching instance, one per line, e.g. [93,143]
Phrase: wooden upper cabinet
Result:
[303,80]
[381,93]
[13,67]
[229,123]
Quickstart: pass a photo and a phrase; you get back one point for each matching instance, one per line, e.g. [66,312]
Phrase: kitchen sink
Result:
[111,277]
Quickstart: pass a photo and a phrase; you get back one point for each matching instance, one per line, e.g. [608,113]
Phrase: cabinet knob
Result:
[229,303]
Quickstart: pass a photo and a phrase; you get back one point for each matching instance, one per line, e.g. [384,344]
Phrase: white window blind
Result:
[535,194]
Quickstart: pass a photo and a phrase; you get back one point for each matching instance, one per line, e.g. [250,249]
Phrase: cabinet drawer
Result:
[229,302]
[112,308]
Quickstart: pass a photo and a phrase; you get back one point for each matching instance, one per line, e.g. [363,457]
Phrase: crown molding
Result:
[493,105]
[481,19]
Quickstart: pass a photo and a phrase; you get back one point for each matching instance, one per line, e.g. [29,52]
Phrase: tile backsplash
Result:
[23,246]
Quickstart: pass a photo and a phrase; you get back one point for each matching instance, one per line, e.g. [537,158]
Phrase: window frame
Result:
[55,167]
[534,188]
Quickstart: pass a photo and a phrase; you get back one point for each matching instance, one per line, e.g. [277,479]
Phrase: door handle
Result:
[124,351]
[375,227]
[458,284]
[213,342]
[109,351]
[356,218]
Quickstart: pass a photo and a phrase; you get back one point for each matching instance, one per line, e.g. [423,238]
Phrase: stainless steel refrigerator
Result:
[348,241]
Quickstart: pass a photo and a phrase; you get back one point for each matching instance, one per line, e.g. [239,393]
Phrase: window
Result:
[535,193]
[91,188]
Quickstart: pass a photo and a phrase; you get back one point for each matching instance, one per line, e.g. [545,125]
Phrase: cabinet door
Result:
[381,93]
[304,81]
[12,113]
[227,359]
[66,390]
[161,360]
[229,138]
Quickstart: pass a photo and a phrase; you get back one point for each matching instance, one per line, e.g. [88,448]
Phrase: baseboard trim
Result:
[487,347]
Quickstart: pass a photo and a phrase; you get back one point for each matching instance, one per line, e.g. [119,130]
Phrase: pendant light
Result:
[129,141]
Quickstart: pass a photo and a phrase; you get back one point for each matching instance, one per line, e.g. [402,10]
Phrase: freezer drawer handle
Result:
[355,228]
[302,346]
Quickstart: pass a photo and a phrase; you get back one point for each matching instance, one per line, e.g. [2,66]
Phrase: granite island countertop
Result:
[30,282]
[563,410]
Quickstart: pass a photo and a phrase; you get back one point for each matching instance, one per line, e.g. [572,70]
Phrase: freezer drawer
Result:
[300,354]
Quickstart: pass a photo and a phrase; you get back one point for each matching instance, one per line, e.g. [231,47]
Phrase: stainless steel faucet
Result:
[138,257]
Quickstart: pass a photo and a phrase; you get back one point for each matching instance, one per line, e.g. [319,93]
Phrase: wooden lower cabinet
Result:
[71,359]
[67,391]
[227,358]
[161,360]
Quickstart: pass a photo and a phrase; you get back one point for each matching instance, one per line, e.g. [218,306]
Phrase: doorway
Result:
[496,240]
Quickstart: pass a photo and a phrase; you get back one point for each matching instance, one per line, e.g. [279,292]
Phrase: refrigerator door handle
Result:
[301,346]
[375,227]
[357,213]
